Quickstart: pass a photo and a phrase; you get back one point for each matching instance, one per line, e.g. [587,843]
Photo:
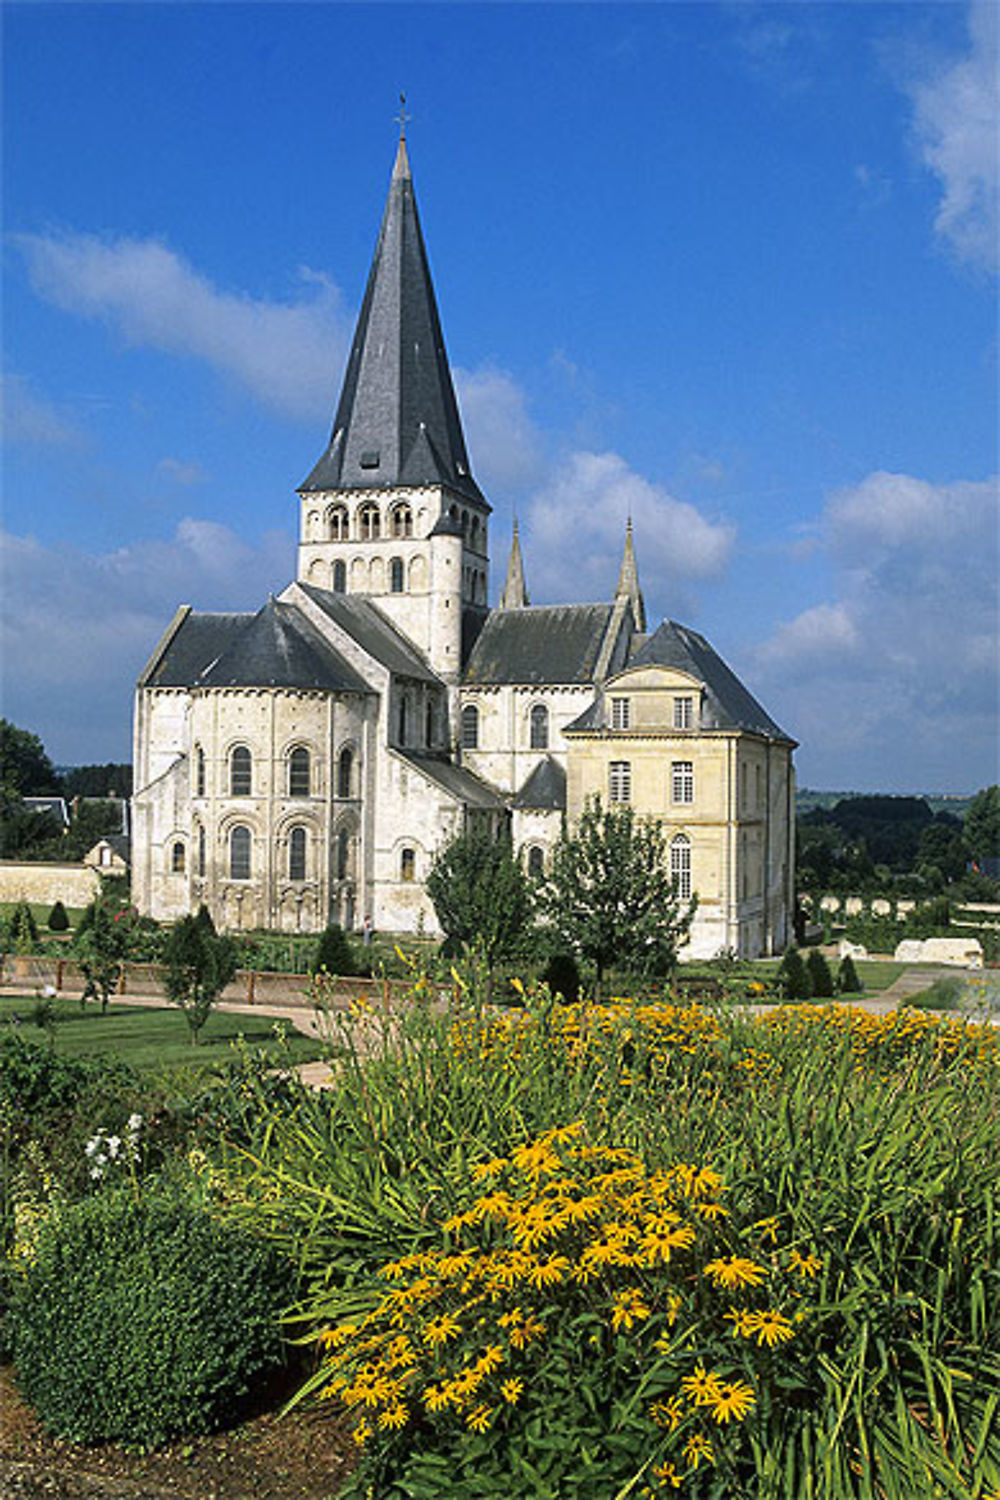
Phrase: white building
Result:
[303,764]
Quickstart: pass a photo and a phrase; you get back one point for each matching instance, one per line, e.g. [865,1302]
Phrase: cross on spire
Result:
[402,118]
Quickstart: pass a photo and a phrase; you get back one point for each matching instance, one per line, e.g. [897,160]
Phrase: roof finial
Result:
[402,117]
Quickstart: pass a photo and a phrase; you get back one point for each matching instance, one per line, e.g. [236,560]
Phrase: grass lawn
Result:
[41,911]
[152,1038]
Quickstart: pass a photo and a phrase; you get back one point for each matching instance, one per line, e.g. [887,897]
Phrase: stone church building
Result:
[304,764]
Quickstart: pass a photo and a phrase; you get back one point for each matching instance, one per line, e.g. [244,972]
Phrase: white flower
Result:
[134,1123]
[96,1172]
[114,1142]
[93,1145]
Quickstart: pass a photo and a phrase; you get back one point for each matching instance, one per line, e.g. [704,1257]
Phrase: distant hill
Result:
[806,798]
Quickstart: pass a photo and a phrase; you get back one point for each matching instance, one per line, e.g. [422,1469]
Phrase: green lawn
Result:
[151,1038]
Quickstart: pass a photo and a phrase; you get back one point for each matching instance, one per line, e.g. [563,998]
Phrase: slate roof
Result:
[365,623]
[397,421]
[728,704]
[456,780]
[276,647]
[54,806]
[545,788]
[548,644]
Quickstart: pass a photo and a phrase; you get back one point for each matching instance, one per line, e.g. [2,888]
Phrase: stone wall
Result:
[72,884]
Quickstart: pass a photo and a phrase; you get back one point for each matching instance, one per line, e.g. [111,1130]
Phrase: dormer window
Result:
[684,713]
[621,713]
[370,458]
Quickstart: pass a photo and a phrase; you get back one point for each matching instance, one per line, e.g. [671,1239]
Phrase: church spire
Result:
[397,422]
[628,580]
[514,595]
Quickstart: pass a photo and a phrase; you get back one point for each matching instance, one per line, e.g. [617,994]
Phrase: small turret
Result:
[628,580]
[515,594]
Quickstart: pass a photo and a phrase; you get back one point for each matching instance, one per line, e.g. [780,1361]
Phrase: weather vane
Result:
[402,117]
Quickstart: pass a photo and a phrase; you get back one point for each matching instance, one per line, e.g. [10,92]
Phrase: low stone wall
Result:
[72,884]
[249,987]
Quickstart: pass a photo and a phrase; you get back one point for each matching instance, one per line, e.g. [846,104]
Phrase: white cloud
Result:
[900,668]
[288,355]
[958,130]
[504,444]
[181,472]
[26,417]
[576,530]
[77,627]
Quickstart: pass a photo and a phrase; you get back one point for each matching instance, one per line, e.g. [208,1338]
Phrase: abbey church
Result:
[305,763]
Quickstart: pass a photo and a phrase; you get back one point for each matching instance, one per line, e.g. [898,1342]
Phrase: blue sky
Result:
[728,268]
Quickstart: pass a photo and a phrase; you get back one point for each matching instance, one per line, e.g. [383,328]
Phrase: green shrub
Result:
[563,977]
[58,920]
[140,1318]
[22,929]
[793,977]
[820,978]
[333,952]
[34,1079]
[848,979]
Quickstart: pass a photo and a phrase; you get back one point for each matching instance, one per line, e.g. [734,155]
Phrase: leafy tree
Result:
[29,833]
[820,978]
[563,977]
[22,929]
[982,824]
[482,897]
[102,943]
[199,966]
[609,897]
[848,979]
[942,846]
[111,780]
[793,976]
[25,769]
[333,952]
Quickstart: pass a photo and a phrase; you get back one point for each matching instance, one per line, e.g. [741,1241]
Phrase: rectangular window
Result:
[682,781]
[621,716]
[620,781]
[683,713]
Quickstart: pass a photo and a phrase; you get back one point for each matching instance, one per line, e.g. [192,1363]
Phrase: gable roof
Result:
[397,421]
[544,644]
[457,781]
[545,788]
[192,641]
[365,623]
[728,704]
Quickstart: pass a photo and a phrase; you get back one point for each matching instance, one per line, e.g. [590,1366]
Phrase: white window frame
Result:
[620,781]
[680,865]
[684,712]
[682,782]
[621,713]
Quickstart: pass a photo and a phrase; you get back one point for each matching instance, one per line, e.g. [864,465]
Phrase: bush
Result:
[563,977]
[22,929]
[333,952]
[820,978]
[140,1318]
[848,979]
[58,920]
[793,977]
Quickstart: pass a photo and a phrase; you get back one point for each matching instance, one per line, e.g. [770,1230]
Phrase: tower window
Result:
[298,772]
[342,863]
[683,713]
[470,727]
[336,520]
[201,852]
[620,781]
[402,521]
[369,523]
[340,577]
[239,853]
[177,858]
[199,772]
[682,781]
[345,768]
[297,854]
[539,725]
[621,713]
[680,865]
[408,865]
[536,860]
[396,575]
[429,723]
[402,721]
[240,772]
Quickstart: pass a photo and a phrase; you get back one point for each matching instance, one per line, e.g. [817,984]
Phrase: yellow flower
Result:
[478,1419]
[491,1357]
[668,1413]
[549,1272]
[440,1329]
[736,1400]
[734,1270]
[743,1324]
[768,1229]
[805,1265]
[362,1432]
[511,1390]
[393,1418]
[435,1397]
[628,1308]
[665,1474]
[697,1448]
[771,1328]
[701,1388]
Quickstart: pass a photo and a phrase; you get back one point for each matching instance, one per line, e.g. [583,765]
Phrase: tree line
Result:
[37,834]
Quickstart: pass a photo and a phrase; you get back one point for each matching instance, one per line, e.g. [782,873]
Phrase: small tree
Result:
[23,929]
[199,966]
[793,977]
[820,978]
[482,898]
[609,896]
[982,824]
[102,946]
[333,952]
[848,979]
[562,977]
[58,920]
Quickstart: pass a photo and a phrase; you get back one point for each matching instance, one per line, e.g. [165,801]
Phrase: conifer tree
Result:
[820,978]
[793,977]
[848,979]
[199,966]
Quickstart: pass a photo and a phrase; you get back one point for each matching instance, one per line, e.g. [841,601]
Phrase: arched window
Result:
[470,727]
[536,860]
[369,523]
[298,772]
[402,721]
[465,523]
[297,854]
[680,865]
[402,521]
[539,727]
[340,576]
[201,852]
[396,576]
[239,853]
[199,772]
[240,772]
[342,863]
[407,865]
[345,770]
[178,859]
[337,520]
[474,533]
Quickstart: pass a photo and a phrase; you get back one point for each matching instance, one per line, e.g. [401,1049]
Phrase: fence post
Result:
[121,980]
[251,982]
[59,973]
